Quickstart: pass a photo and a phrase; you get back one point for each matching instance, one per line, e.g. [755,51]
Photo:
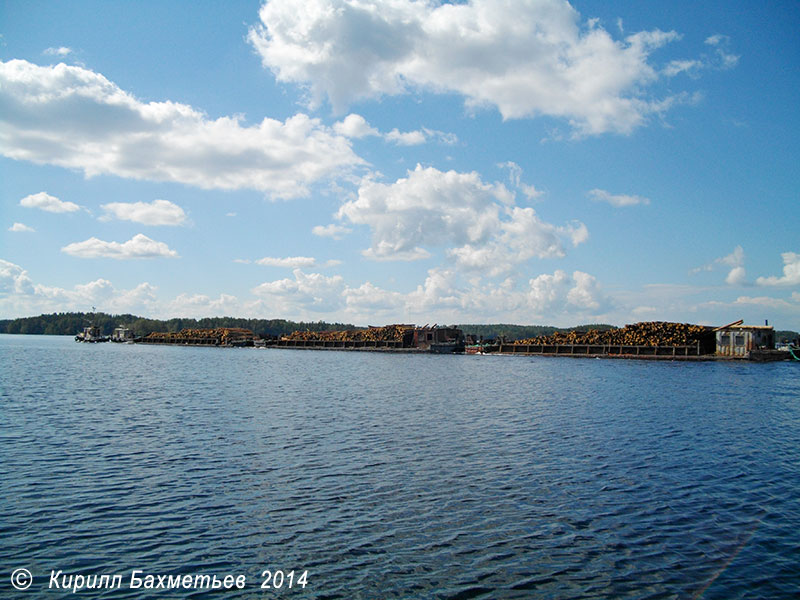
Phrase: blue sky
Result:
[532,162]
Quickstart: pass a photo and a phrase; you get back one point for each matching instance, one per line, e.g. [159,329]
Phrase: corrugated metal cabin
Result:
[738,340]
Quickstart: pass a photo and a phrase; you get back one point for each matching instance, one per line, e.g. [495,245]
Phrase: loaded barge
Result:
[655,340]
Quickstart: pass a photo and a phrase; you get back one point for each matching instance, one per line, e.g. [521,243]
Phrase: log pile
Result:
[222,335]
[650,333]
[389,333]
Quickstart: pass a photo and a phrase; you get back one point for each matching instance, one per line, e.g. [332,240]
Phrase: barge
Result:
[654,340]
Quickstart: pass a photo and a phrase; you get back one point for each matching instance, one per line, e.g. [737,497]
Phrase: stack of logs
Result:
[223,335]
[389,333]
[651,333]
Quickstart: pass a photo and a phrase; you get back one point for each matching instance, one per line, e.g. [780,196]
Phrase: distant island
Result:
[69,323]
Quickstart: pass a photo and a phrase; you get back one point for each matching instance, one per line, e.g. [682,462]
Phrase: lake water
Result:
[397,476]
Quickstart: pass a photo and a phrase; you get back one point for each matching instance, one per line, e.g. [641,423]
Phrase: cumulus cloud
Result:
[791,272]
[408,138]
[199,306]
[20,296]
[477,222]
[20,227]
[157,212]
[547,296]
[307,291]
[527,58]
[75,118]
[735,261]
[371,299]
[355,126]
[14,279]
[139,246]
[618,200]
[45,201]
[445,295]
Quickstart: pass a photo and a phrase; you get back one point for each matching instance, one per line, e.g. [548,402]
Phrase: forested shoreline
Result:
[70,323]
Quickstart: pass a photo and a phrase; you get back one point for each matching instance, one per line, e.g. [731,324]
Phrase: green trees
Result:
[72,323]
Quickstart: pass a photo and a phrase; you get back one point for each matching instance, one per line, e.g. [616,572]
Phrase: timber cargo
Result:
[397,337]
[653,339]
[219,336]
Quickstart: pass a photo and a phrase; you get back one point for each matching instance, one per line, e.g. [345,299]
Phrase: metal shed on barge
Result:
[737,340]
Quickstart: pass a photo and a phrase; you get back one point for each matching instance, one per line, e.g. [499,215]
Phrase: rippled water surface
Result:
[399,476]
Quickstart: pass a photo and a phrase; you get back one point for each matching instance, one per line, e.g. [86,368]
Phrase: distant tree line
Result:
[787,336]
[72,323]
[521,332]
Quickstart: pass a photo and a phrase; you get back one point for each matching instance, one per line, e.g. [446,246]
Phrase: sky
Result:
[375,162]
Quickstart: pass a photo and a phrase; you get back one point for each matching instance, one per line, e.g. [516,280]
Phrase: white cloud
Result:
[20,227]
[14,279]
[724,59]
[618,200]
[585,294]
[552,297]
[476,222]
[721,59]
[561,292]
[157,212]
[354,126]
[791,272]
[735,260]
[45,201]
[408,138]
[333,230]
[60,51]
[75,118]
[676,67]
[370,299]
[198,306]
[444,296]
[19,296]
[306,291]
[525,58]
[292,262]
[515,178]
[736,276]
[767,302]
[139,246]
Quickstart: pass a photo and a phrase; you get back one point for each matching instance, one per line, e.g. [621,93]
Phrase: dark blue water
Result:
[398,476]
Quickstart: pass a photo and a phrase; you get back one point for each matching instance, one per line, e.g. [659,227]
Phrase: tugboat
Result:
[91,334]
